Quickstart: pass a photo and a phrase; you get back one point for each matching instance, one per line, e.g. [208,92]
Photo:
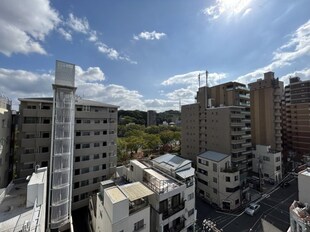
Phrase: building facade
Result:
[151,118]
[296,117]
[219,121]
[268,163]
[217,181]
[265,97]
[172,180]
[5,140]
[95,136]
[23,203]
[123,207]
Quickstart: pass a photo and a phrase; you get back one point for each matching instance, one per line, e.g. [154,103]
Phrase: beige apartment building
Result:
[217,181]
[296,117]
[265,97]
[5,140]
[219,121]
[94,143]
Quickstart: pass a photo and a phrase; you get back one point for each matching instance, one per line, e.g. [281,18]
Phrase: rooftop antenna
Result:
[199,80]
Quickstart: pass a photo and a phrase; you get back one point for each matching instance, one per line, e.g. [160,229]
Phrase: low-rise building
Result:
[171,178]
[304,186]
[121,207]
[217,181]
[268,162]
[23,203]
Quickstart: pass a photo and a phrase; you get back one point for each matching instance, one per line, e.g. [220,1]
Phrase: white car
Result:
[252,209]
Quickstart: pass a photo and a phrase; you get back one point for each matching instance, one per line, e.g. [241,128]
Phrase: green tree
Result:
[152,141]
[122,153]
[166,136]
[134,143]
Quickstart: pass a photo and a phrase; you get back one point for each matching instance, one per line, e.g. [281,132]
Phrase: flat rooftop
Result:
[115,194]
[305,172]
[13,211]
[212,155]
[171,162]
[135,191]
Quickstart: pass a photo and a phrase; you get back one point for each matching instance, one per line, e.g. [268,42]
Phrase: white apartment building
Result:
[172,180]
[123,207]
[5,139]
[304,186]
[217,181]
[268,162]
[23,204]
[95,133]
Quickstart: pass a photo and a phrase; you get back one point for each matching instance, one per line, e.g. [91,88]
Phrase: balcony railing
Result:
[168,213]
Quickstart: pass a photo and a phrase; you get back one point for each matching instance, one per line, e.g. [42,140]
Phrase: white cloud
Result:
[93,36]
[304,74]
[298,46]
[191,78]
[146,35]
[78,24]
[227,7]
[24,26]
[65,34]
[112,53]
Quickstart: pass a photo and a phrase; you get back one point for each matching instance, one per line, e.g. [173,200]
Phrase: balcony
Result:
[177,227]
[238,141]
[241,132]
[229,170]
[247,145]
[168,213]
[236,150]
[246,128]
[237,124]
[237,116]
[247,136]
[244,96]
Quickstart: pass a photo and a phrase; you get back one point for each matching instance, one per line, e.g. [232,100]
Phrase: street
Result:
[274,208]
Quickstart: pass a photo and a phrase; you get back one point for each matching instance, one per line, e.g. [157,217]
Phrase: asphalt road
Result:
[274,208]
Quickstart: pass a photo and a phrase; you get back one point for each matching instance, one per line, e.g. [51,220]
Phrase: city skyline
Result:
[147,55]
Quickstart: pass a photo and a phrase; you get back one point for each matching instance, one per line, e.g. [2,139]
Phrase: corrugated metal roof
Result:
[171,161]
[135,191]
[212,155]
[186,173]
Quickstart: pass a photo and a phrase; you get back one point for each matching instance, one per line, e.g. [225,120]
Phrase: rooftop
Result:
[171,162]
[115,194]
[78,101]
[305,172]
[212,155]
[135,191]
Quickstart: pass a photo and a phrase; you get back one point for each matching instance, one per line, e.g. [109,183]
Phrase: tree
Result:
[121,150]
[152,141]
[134,143]
[166,136]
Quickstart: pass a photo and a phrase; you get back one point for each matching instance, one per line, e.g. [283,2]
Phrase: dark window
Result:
[78,121]
[104,143]
[75,198]
[227,178]
[45,135]
[77,159]
[104,166]
[77,146]
[78,133]
[77,172]
[76,185]
[139,225]
[104,155]
[175,201]
[44,149]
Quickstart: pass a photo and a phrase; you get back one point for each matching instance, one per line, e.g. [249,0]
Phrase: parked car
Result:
[252,209]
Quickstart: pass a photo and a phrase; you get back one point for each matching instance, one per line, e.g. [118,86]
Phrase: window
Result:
[214,167]
[76,185]
[96,156]
[86,108]
[202,181]
[97,133]
[214,179]
[237,202]
[44,149]
[105,120]
[97,121]
[104,155]
[104,166]
[46,120]
[204,172]
[278,168]
[215,190]
[77,146]
[104,132]
[77,159]
[95,180]
[236,178]
[78,121]
[190,196]
[30,136]
[77,172]
[45,134]
[104,144]
[227,178]
[96,144]
[85,157]
[84,183]
[277,159]
[266,158]
[86,121]
[45,107]
[31,107]
[191,212]
[95,168]
[27,120]
[139,225]
[85,145]
[84,196]
[84,170]
[85,133]
[75,198]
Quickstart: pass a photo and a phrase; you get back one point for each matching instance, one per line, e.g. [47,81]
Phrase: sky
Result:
[147,55]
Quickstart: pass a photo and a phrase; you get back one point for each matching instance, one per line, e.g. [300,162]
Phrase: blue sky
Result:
[147,54]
